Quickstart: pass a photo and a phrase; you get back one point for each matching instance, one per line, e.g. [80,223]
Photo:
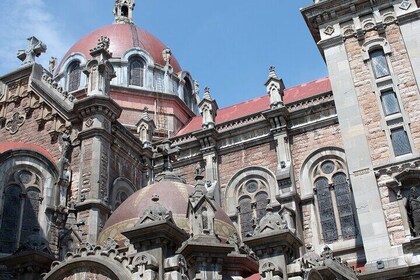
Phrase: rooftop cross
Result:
[35,49]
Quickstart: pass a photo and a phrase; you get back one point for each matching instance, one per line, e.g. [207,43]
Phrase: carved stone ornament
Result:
[13,124]
[89,122]
[405,5]
[329,30]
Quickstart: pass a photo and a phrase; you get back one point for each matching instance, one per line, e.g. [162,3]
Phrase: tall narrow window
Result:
[30,213]
[400,141]
[379,63]
[390,102]
[74,76]
[245,213]
[261,200]
[136,72]
[10,219]
[326,210]
[335,201]
[344,205]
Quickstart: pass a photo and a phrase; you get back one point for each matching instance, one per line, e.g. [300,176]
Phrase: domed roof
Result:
[172,195]
[123,37]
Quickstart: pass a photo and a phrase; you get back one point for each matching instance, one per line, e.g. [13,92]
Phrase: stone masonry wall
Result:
[380,150]
[369,106]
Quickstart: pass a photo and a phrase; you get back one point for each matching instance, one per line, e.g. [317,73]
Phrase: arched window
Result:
[120,198]
[335,201]
[252,204]
[188,98]
[74,76]
[379,63]
[136,72]
[20,210]
[120,191]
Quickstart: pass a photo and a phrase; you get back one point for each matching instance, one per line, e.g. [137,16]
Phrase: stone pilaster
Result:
[97,114]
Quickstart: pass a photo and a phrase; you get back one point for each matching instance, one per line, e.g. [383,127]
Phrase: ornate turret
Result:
[208,109]
[123,11]
[99,70]
[275,89]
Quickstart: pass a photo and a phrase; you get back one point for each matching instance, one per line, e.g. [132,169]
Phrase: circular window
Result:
[252,186]
[328,167]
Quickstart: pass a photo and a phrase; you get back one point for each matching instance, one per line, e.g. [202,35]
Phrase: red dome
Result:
[123,37]
[173,196]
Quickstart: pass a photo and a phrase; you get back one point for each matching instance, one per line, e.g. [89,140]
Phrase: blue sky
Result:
[226,45]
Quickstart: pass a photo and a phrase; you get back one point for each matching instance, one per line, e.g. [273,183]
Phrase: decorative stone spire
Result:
[99,70]
[145,128]
[208,109]
[123,11]
[35,49]
[275,89]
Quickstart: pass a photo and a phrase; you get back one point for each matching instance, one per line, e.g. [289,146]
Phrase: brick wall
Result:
[263,155]
[302,145]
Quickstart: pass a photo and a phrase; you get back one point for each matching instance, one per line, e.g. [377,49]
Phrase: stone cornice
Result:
[93,105]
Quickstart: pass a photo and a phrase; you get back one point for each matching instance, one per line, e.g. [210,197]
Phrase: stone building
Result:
[113,167]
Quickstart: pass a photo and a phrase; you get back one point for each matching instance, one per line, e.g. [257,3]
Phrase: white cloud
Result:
[21,19]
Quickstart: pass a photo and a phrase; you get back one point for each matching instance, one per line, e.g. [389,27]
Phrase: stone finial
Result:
[272,72]
[208,109]
[123,11]
[35,49]
[275,89]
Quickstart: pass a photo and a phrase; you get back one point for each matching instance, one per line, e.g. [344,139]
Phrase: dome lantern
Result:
[123,11]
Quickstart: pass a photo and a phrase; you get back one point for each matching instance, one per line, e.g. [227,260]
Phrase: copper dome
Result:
[123,37]
[173,196]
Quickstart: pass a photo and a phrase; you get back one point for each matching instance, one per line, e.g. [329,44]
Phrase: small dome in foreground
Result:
[174,197]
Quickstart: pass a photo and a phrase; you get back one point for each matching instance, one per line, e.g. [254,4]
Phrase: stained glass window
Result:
[245,214]
[261,200]
[400,142]
[136,74]
[390,103]
[326,210]
[344,205]
[379,63]
[10,219]
[75,72]
[30,213]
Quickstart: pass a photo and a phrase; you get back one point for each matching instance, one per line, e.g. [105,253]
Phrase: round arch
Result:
[246,174]
[311,161]
[93,264]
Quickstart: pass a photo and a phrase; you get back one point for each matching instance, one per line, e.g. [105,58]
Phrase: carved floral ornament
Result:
[15,122]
